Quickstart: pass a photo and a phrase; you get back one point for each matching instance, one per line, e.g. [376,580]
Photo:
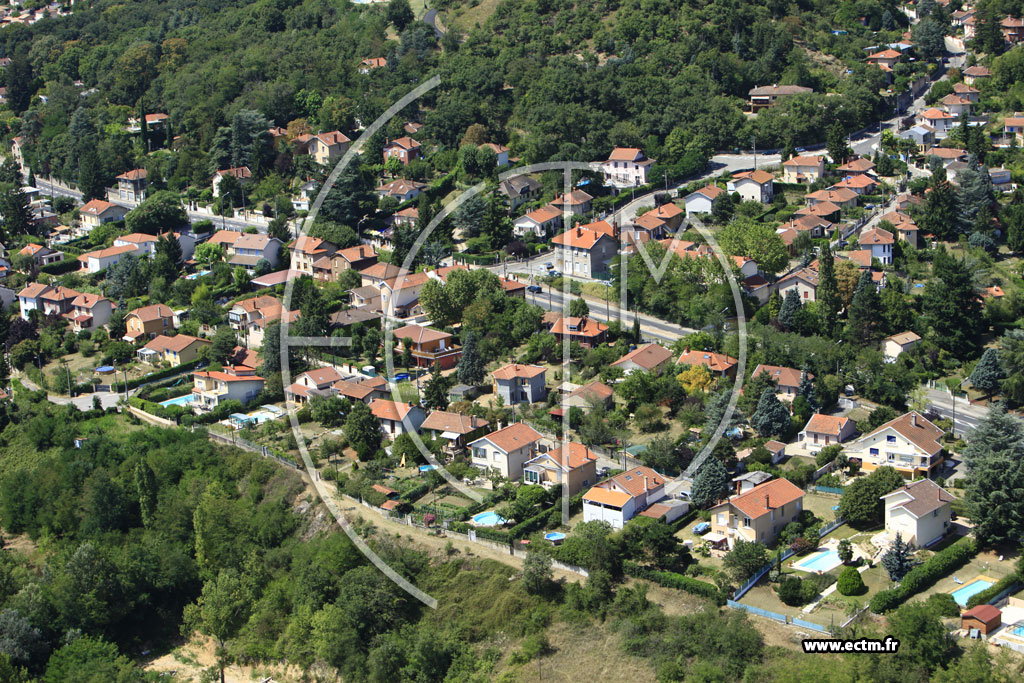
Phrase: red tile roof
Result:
[765,497]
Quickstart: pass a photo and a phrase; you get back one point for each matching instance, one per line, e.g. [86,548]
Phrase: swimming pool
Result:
[821,561]
[489,518]
[178,401]
[963,594]
[1018,631]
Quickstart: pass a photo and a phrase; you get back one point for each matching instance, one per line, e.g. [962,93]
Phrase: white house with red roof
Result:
[879,242]
[702,200]
[315,382]
[803,169]
[517,383]
[540,222]
[237,383]
[97,212]
[910,444]
[626,167]
[753,186]
[645,358]
[401,189]
[826,430]
[396,417]
[574,466]
[506,450]
[623,497]
[101,259]
[941,121]
[240,173]
[30,298]
[921,512]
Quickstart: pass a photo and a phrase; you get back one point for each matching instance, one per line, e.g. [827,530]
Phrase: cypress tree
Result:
[828,292]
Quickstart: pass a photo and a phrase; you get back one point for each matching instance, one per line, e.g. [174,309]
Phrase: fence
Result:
[742,590]
[781,618]
[150,418]
[239,442]
[811,625]
[828,489]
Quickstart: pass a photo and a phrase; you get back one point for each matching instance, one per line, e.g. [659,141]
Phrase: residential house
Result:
[803,169]
[90,311]
[787,380]
[506,450]
[626,167]
[235,383]
[765,96]
[500,153]
[365,390]
[623,497]
[753,186]
[986,619]
[777,449]
[519,190]
[305,250]
[249,249]
[369,64]
[720,364]
[401,189]
[587,331]
[967,92]
[1001,179]
[749,480]
[58,300]
[405,149]
[399,295]
[458,430]
[250,317]
[429,346]
[315,382]
[910,444]
[329,268]
[921,512]
[842,197]
[923,135]
[594,394]
[804,280]
[323,147]
[41,255]
[815,225]
[899,343]
[148,321]
[30,298]
[378,274]
[97,212]
[576,202]
[941,121]
[176,350]
[659,221]
[574,466]
[407,216]
[906,229]
[396,417]
[702,200]
[131,185]
[759,514]
[645,358]
[1013,30]
[241,174]
[886,59]
[826,430]
[879,242]
[101,259]
[516,383]
[859,183]
[948,155]
[541,222]
[584,253]
[858,166]
[956,105]
[145,245]
[1014,125]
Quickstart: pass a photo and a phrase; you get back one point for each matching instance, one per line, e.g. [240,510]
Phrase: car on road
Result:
[549,265]
[801,150]
[555,273]
[869,206]
[536,289]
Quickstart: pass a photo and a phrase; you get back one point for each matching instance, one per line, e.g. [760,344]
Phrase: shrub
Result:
[674,580]
[790,591]
[992,591]
[850,582]
[924,575]
[801,545]
[943,605]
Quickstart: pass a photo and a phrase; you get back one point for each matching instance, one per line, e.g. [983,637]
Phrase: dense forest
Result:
[551,79]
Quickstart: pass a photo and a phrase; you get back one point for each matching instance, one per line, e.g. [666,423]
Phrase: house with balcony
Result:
[329,268]
[587,331]
[250,318]
[573,465]
[306,250]
[175,351]
[506,450]
[759,514]
[940,121]
[720,364]
[455,429]
[97,212]
[764,96]
[101,259]
[626,167]
[429,346]
[584,253]
[516,383]
[131,185]
[148,321]
[520,190]
[879,242]
[910,444]
[323,147]
[826,430]
[921,512]
[540,222]
[787,380]
[57,301]
[396,417]
[400,295]
[89,312]
[250,248]
[234,383]
[623,497]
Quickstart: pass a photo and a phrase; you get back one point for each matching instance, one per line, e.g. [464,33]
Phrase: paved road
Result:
[218,221]
[967,415]
[108,399]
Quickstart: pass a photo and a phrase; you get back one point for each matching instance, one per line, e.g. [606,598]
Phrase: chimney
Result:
[645,484]
[767,502]
[913,419]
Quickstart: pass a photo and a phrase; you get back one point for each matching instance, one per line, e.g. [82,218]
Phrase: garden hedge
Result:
[925,575]
[990,593]
[674,580]
[154,376]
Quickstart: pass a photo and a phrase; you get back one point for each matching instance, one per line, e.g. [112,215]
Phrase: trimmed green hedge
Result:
[675,580]
[61,267]
[993,591]
[925,575]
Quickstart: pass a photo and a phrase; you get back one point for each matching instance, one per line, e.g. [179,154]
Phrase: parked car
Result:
[702,528]
[536,289]
[555,273]
[549,265]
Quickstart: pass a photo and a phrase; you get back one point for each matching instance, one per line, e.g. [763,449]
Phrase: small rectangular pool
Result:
[178,401]
[963,594]
[821,561]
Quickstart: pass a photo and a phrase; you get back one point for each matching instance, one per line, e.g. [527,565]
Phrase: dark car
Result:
[536,289]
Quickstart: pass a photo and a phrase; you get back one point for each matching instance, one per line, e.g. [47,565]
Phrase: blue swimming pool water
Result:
[489,518]
[962,595]
[1018,631]
[821,561]
[179,401]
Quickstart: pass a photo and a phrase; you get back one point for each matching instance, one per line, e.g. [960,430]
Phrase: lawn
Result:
[985,563]
[821,505]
